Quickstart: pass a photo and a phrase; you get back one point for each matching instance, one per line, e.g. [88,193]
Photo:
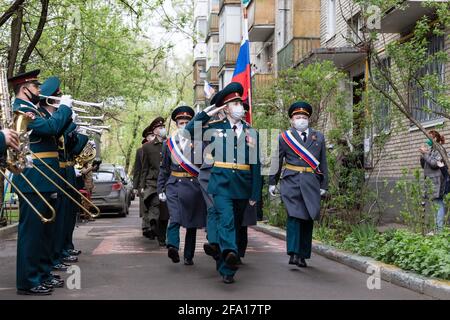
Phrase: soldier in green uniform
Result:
[236,175]
[33,276]
[66,214]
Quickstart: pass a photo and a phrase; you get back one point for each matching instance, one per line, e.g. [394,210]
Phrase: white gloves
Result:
[272,190]
[66,100]
[322,192]
[207,109]
[162,197]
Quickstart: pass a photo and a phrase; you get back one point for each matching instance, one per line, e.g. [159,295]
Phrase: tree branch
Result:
[16,30]
[8,13]
[36,37]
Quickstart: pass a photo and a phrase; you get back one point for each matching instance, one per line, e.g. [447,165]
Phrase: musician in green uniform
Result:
[33,276]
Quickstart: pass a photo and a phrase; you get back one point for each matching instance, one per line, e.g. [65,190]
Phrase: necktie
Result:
[304,136]
[234,129]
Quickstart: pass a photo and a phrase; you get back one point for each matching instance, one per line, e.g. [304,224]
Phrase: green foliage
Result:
[412,190]
[426,255]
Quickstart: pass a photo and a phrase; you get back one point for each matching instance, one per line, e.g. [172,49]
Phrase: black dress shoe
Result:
[302,263]
[36,291]
[188,262]
[231,260]
[228,279]
[212,250]
[173,254]
[70,259]
[60,267]
[55,283]
[74,252]
[293,259]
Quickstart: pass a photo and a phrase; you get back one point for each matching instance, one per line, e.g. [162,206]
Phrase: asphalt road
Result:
[118,263]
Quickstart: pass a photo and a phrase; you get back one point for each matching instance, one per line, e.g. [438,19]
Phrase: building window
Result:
[422,106]
[355,34]
[202,29]
[382,121]
[331,18]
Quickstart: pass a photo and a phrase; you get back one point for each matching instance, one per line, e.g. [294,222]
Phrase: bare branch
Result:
[8,13]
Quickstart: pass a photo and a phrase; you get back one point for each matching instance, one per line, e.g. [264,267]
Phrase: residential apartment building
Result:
[200,51]
[341,28]
[212,44]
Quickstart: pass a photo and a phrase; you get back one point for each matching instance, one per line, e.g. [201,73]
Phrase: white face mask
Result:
[162,133]
[237,112]
[301,124]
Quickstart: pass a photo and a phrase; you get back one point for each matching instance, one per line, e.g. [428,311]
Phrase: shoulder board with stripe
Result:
[22,106]
[215,121]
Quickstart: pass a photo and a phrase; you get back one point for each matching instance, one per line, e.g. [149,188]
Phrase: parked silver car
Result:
[127,182]
[110,192]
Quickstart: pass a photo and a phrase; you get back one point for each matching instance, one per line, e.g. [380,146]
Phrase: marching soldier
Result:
[33,276]
[235,177]
[178,185]
[137,176]
[156,214]
[303,180]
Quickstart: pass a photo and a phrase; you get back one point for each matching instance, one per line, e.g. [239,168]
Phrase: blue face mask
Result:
[429,142]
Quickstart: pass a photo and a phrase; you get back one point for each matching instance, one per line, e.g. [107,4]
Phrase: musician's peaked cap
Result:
[50,87]
[26,77]
[300,107]
[159,121]
[183,112]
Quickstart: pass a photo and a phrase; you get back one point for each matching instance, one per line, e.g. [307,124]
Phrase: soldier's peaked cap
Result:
[159,121]
[26,77]
[300,107]
[183,112]
[233,91]
[50,87]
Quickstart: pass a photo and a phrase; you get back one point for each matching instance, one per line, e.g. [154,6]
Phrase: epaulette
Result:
[22,106]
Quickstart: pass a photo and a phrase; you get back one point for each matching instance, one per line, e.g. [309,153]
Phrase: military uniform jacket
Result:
[2,143]
[226,147]
[300,192]
[42,139]
[151,161]
[184,195]
[137,169]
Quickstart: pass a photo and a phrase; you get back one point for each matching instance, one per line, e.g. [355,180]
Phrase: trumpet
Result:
[97,118]
[98,105]
[92,126]
[89,129]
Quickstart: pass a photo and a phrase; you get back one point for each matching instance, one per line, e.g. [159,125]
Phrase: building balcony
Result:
[199,94]
[212,75]
[261,20]
[228,54]
[199,73]
[396,20]
[223,3]
[295,51]
[213,25]
[261,80]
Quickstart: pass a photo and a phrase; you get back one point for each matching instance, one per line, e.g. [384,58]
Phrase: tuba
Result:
[87,154]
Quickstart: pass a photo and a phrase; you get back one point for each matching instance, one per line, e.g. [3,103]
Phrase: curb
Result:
[7,231]
[439,289]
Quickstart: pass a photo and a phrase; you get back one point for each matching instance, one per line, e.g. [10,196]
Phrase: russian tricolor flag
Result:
[242,71]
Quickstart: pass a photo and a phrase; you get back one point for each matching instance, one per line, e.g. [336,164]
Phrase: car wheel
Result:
[123,212]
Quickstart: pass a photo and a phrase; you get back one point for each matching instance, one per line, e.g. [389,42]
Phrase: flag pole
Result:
[250,118]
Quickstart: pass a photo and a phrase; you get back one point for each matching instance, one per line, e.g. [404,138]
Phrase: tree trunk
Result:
[36,37]
[16,31]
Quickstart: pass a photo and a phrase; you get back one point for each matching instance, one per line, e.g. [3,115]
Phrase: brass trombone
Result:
[67,183]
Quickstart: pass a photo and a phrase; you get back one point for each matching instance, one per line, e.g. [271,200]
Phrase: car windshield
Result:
[103,176]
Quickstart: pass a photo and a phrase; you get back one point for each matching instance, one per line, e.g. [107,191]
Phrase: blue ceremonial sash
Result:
[300,150]
[187,165]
